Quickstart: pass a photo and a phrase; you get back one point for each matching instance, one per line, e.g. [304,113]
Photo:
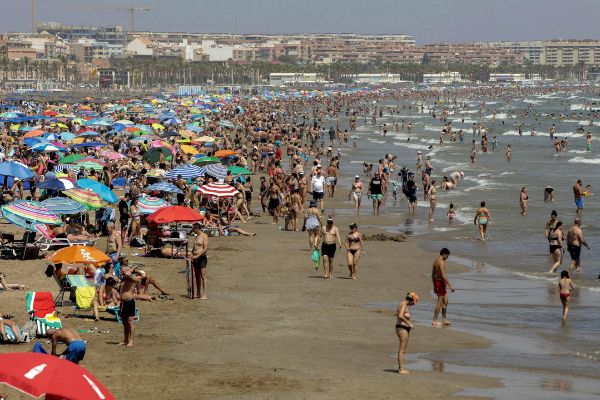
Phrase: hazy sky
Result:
[428,20]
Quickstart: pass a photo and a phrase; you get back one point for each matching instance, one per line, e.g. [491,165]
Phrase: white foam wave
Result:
[583,160]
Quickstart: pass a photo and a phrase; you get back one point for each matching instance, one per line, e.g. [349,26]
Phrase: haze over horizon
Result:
[429,21]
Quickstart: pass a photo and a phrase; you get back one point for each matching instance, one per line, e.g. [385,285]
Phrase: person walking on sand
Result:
[199,261]
[330,238]
[354,247]
[130,278]
[440,282]
[403,327]
[356,193]
[317,187]
[483,217]
[375,192]
[564,288]
[574,242]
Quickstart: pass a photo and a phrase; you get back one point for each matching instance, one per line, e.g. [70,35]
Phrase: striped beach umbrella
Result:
[63,206]
[149,205]
[90,200]
[186,172]
[31,211]
[219,171]
[220,190]
[163,187]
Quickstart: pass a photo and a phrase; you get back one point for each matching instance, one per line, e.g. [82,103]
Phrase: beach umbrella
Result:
[207,161]
[90,200]
[70,159]
[186,172]
[15,169]
[112,155]
[187,149]
[91,159]
[236,170]
[194,128]
[156,173]
[153,155]
[88,133]
[124,122]
[220,190]
[149,205]
[157,126]
[205,139]
[38,374]
[163,187]
[89,165]
[99,188]
[226,124]
[34,133]
[63,206]
[25,224]
[79,255]
[219,171]
[171,214]
[32,211]
[67,136]
[89,144]
[56,184]
[46,146]
[225,153]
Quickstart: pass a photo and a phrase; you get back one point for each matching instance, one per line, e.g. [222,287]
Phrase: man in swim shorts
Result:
[574,242]
[440,282]
[330,235]
[578,194]
[375,192]
[75,345]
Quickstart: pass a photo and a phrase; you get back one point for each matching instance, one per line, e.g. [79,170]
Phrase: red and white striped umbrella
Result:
[218,190]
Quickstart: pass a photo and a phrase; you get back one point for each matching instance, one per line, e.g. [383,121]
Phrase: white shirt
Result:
[318,183]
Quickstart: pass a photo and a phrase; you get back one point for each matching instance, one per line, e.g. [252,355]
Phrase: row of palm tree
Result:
[155,71]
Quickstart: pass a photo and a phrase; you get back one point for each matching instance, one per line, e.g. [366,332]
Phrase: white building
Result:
[375,79]
[295,79]
[442,78]
[507,77]
[140,46]
[216,52]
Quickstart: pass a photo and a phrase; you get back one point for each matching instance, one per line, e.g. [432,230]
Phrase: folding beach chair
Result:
[68,284]
[42,310]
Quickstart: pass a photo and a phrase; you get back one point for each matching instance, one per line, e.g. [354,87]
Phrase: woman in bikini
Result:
[312,223]
[432,195]
[555,237]
[565,286]
[403,327]
[354,248]
[356,193]
[483,217]
[135,219]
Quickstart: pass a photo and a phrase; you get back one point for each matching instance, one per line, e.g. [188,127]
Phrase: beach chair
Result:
[68,284]
[26,248]
[42,310]
[47,242]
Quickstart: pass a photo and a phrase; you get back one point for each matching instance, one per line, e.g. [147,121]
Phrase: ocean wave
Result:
[498,116]
[579,151]
[583,160]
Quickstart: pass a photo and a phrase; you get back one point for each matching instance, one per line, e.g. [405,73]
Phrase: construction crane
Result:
[132,11]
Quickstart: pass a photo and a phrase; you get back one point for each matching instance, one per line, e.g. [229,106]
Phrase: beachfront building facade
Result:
[443,78]
[508,78]
[560,53]
[377,79]
[295,79]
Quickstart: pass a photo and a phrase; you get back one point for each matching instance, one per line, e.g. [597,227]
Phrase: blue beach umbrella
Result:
[219,171]
[101,189]
[163,187]
[89,144]
[56,184]
[15,169]
[63,206]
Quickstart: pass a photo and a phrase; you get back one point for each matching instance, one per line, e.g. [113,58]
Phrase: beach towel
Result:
[315,256]
[190,276]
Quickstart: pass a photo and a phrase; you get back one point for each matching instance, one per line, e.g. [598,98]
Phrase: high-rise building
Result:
[571,52]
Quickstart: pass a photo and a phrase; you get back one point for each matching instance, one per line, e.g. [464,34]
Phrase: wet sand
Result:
[272,327]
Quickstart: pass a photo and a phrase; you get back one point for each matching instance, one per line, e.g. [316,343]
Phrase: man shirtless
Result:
[329,235]
[440,281]
[332,177]
[114,244]
[130,280]
[574,241]
[199,260]
[273,207]
[578,194]
[76,347]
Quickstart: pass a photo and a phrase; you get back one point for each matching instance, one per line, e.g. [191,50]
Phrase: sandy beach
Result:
[272,327]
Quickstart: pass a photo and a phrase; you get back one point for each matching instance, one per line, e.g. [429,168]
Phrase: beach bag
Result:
[315,256]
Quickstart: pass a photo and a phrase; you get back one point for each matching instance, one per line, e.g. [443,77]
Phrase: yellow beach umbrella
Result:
[157,126]
[186,148]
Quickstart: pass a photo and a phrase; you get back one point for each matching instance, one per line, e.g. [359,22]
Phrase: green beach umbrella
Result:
[207,161]
[236,170]
[71,159]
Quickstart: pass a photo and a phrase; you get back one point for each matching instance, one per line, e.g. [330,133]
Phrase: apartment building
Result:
[571,52]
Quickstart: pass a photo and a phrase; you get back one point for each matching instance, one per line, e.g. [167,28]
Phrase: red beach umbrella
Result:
[42,374]
[175,214]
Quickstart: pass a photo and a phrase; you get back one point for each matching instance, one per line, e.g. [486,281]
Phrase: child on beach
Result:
[394,188]
[564,287]
[451,213]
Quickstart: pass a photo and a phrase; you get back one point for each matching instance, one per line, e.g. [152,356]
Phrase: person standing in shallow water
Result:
[440,282]
[564,288]
[483,218]
[403,327]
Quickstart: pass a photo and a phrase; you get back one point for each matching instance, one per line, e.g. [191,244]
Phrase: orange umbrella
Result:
[225,153]
[34,133]
[79,255]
